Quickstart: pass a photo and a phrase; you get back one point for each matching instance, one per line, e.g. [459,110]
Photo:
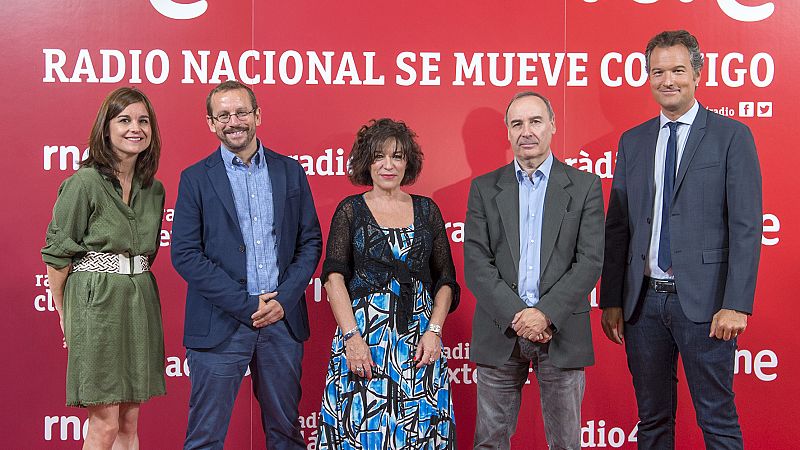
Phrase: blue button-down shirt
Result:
[252,194]
[531,210]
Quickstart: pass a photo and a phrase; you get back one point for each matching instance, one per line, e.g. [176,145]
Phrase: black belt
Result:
[663,286]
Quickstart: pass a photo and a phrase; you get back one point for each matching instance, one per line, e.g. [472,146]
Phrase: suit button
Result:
[241,249]
[513,285]
[648,220]
[643,257]
[242,281]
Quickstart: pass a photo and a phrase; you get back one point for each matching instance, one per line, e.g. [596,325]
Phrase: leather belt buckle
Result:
[663,286]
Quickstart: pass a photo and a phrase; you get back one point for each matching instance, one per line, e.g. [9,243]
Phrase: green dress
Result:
[112,322]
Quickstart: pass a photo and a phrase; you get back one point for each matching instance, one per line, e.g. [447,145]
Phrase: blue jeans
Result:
[656,334]
[274,357]
[500,395]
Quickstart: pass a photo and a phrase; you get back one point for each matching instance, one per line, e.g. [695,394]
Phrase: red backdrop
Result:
[320,70]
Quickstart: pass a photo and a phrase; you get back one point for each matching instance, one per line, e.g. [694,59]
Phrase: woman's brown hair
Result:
[101,154]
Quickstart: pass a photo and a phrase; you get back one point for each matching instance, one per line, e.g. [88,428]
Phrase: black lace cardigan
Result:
[359,250]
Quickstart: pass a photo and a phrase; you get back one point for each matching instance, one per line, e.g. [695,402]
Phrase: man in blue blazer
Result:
[247,240]
[683,236]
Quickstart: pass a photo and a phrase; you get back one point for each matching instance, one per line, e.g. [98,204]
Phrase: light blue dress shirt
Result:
[252,194]
[684,126]
[531,210]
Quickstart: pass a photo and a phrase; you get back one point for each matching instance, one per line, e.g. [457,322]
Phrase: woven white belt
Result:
[112,263]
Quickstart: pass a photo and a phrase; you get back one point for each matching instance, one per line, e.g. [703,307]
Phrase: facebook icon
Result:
[746,109]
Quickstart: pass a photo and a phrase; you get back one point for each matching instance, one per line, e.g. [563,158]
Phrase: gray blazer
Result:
[715,221]
[571,260]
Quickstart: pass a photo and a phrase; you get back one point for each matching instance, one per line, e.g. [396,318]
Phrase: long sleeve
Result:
[617,236]
[743,196]
[203,275]
[443,271]
[574,285]
[69,224]
[339,249]
[493,295]
[307,249]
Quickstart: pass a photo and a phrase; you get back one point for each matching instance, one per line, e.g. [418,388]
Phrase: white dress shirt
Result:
[685,125]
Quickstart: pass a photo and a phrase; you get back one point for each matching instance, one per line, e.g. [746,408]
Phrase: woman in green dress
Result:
[100,244]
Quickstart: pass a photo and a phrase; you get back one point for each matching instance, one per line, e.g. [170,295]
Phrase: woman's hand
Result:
[61,323]
[428,350]
[58,281]
[358,357]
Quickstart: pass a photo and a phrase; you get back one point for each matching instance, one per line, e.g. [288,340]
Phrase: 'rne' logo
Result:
[180,11]
[744,13]
[732,8]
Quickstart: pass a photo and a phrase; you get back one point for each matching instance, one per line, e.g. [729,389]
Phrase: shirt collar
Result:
[543,169]
[232,159]
[686,119]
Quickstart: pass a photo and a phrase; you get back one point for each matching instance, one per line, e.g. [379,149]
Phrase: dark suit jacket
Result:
[208,249]
[715,220]
[571,260]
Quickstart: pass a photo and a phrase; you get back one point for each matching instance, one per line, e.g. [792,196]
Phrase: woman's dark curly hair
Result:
[369,142]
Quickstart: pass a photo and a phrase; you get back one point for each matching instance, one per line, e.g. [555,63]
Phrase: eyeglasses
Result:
[226,117]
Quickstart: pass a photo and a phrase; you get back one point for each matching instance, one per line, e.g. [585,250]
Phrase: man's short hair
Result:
[672,38]
[523,94]
[230,85]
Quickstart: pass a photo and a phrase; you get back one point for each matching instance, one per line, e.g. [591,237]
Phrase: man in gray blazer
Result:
[533,251]
[680,268]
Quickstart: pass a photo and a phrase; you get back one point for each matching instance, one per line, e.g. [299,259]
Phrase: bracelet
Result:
[435,329]
[351,333]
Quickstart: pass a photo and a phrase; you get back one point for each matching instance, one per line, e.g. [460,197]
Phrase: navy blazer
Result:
[209,252]
[715,221]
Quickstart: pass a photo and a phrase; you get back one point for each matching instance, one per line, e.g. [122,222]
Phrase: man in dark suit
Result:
[247,240]
[533,251]
[682,247]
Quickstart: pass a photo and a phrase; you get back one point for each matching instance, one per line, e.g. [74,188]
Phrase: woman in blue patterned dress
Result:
[391,282]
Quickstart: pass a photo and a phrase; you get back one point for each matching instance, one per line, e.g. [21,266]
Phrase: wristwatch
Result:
[351,333]
[435,329]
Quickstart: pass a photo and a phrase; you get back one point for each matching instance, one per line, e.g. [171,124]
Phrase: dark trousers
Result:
[274,358]
[500,395]
[654,337]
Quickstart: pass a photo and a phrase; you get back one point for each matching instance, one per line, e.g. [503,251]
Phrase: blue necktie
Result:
[664,256]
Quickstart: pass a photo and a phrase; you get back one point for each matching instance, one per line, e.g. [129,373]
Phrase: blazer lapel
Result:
[277,177]
[649,142]
[221,184]
[556,200]
[507,201]
[696,133]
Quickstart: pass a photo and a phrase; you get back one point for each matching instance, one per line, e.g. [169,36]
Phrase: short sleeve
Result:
[443,271]
[339,249]
[68,226]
